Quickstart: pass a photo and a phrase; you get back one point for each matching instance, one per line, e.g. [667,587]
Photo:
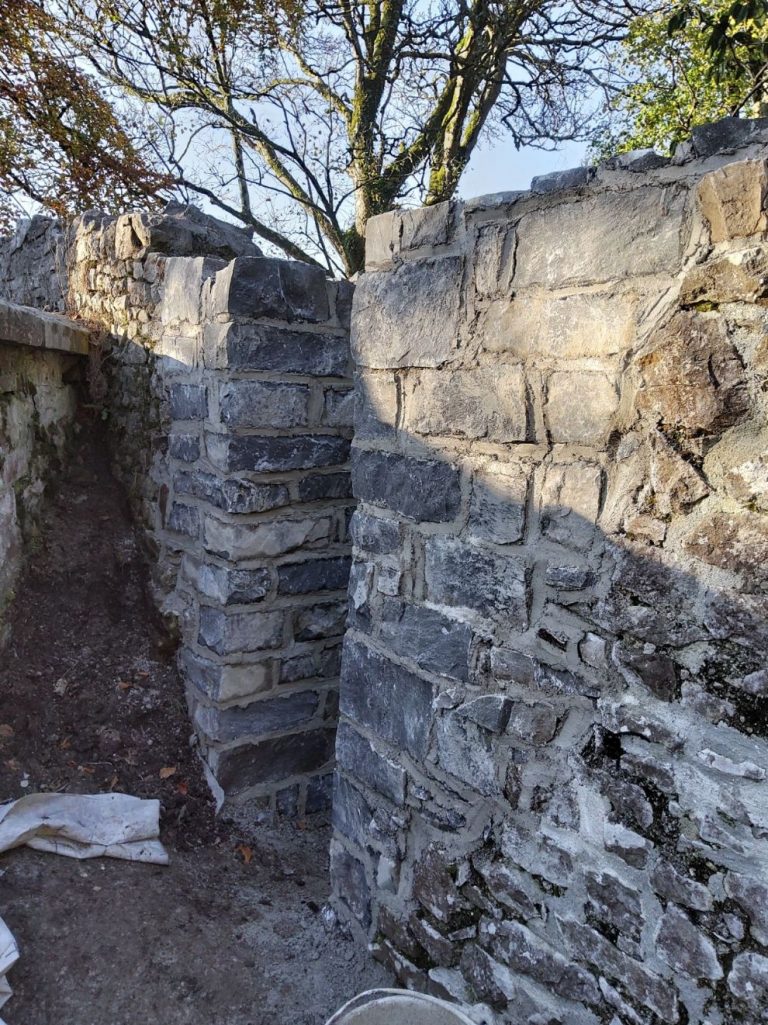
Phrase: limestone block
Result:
[467,751]
[238,541]
[408,317]
[735,277]
[485,402]
[256,287]
[338,407]
[348,875]
[605,237]
[226,682]
[227,585]
[427,226]
[739,465]
[493,260]
[357,755]
[252,765]
[537,324]
[435,642]
[376,405]
[381,696]
[183,286]
[313,575]
[523,951]
[672,885]
[319,622]
[685,948]
[183,519]
[275,349]
[232,494]
[276,454]
[261,717]
[188,401]
[319,486]
[461,575]
[263,404]
[570,500]
[499,496]
[228,633]
[732,199]
[562,181]
[382,238]
[375,534]
[733,541]
[748,980]
[580,407]
[421,489]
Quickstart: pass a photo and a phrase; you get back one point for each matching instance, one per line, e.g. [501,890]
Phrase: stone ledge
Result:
[23,325]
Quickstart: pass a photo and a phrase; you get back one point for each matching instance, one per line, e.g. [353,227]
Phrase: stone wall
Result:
[225,378]
[41,370]
[553,750]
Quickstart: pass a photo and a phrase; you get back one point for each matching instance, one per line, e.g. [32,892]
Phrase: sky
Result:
[499,167]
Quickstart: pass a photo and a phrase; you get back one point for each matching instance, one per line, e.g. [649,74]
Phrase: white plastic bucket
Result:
[398,1007]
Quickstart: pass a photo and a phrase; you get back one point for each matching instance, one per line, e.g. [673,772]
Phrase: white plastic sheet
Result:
[77,826]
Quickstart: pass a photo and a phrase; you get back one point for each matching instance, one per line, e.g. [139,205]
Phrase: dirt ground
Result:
[233,932]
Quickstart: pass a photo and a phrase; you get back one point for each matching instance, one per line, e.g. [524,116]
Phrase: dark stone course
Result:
[433,641]
[188,402]
[233,495]
[349,874]
[184,447]
[375,534]
[274,349]
[183,519]
[269,715]
[421,489]
[299,452]
[313,575]
[319,486]
[385,698]
[274,759]
[356,754]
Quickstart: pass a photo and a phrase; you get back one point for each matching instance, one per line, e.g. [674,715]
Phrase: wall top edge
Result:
[23,325]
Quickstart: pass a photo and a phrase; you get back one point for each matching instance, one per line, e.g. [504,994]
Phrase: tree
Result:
[332,112]
[685,65]
[61,143]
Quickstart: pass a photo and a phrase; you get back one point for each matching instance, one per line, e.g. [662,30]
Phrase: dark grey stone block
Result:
[314,575]
[183,519]
[356,754]
[269,715]
[463,575]
[184,447]
[325,485]
[319,793]
[273,759]
[421,489]
[318,622]
[432,640]
[381,696]
[230,633]
[348,875]
[300,668]
[264,404]
[351,814]
[302,452]
[188,402]
[233,495]
[560,181]
[373,534]
[262,287]
[262,347]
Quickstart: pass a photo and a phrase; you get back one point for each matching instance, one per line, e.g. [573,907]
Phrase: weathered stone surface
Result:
[352,814]
[319,622]
[339,407]
[735,277]
[282,289]
[235,541]
[499,496]
[318,486]
[685,948]
[183,519]
[232,494]
[433,885]
[184,447]
[383,697]
[227,585]
[523,951]
[435,642]
[226,683]
[275,349]
[462,575]
[253,765]
[188,402]
[580,407]
[540,324]
[409,318]
[570,500]
[733,541]
[421,489]
[427,226]
[182,229]
[732,200]
[672,885]
[562,181]
[375,534]
[487,402]
[613,902]
[601,238]
[277,454]
[752,896]
[259,718]
[349,874]
[467,751]
[357,755]
[748,980]
[263,404]
[376,405]
[315,575]
[228,633]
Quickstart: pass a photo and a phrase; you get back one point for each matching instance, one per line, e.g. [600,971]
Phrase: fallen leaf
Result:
[245,852]
[167,771]
[88,769]
[124,685]
[142,674]
[13,765]
[6,730]
[182,788]
[113,782]
[65,743]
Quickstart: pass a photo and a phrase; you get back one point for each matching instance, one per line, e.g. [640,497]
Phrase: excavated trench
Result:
[233,932]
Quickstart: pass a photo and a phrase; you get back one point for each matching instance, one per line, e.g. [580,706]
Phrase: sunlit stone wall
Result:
[553,750]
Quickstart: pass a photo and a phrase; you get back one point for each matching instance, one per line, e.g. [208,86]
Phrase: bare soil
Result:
[233,932]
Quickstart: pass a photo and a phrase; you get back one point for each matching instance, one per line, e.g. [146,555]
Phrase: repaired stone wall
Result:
[226,382]
[551,800]
[41,369]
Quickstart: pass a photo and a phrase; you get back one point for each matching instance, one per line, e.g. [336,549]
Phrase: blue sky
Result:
[499,167]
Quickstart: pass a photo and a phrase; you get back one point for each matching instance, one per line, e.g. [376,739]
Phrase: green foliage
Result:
[686,65]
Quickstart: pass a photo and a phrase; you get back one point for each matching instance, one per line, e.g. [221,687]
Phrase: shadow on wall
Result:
[553,749]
